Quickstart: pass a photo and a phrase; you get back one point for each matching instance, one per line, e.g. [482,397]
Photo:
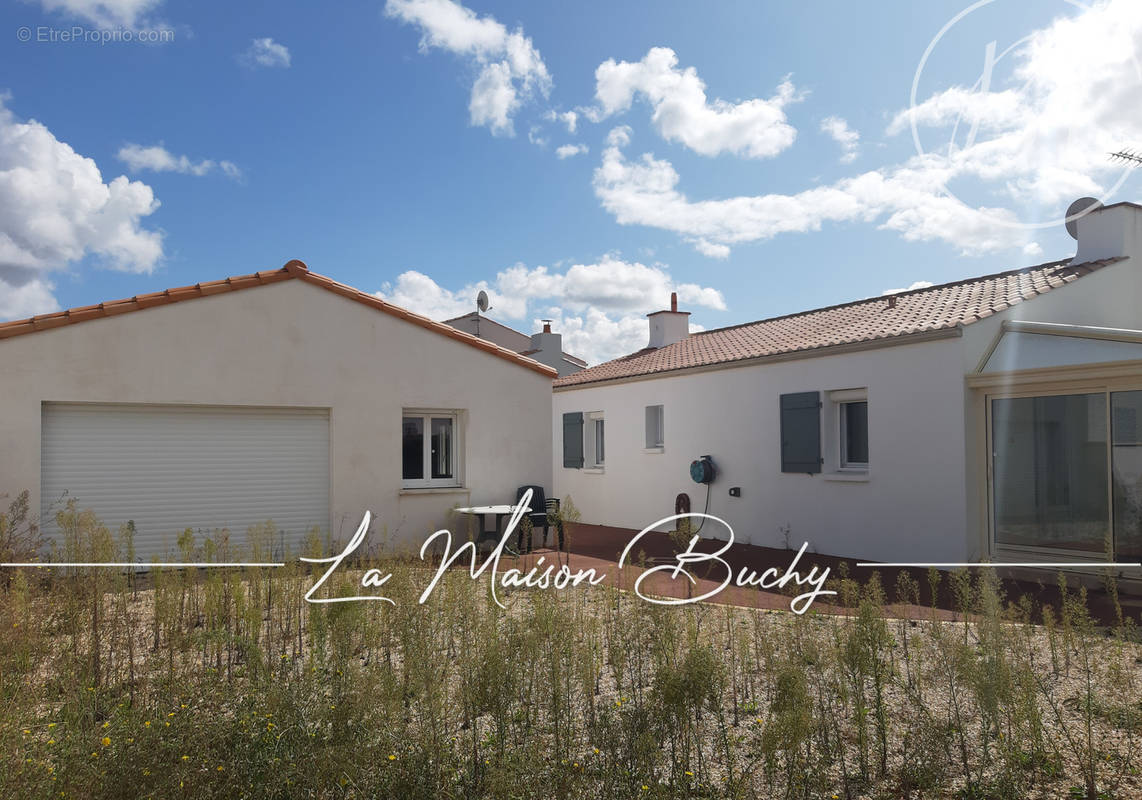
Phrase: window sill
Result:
[414,490]
[594,470]
[848,476]
[654,449]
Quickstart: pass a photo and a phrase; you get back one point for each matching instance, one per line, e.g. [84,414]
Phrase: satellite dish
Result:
[1077,209]
[482,301]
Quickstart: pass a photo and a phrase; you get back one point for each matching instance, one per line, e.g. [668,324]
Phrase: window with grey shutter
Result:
[801,432]
[573,440]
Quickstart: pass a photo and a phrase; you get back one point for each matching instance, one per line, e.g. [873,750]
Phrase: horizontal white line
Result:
[142,564]
[1039,564]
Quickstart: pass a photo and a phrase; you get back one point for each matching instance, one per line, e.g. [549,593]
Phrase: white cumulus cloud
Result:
[511,69]
[600,301]
[18,301]
[157,158]
[265,52]
[129,14]
[839,130]
[906,200]
[914,285]
[570,119]
[1065,98]
[569,150]
[681,112]
[56,209]
[597,336]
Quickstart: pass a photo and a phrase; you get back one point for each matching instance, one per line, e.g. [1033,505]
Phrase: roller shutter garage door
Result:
[169,468]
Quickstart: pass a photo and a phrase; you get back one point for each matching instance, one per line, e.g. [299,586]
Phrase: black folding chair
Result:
[544,514]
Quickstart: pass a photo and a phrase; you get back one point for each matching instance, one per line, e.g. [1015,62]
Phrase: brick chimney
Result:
[668,327]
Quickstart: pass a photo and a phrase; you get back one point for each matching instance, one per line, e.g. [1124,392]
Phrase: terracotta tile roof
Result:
[294,270]
[935,308]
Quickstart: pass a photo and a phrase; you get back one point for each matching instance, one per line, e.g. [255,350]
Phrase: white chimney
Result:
[547,348]
[668,327]
[547,342]
[1115,230]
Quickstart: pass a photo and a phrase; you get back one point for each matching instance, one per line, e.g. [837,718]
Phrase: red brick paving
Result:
[599,547]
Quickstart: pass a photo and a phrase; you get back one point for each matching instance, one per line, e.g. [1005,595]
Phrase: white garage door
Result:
[170,468]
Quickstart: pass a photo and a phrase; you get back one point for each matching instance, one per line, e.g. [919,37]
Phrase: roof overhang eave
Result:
[951,332]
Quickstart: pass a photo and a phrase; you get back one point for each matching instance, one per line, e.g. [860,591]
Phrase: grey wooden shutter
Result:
[573,440]
[801,432]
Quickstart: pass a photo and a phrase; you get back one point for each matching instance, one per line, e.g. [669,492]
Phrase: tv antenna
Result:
[1128,156]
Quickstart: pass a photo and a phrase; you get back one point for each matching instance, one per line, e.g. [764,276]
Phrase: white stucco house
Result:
[279,395]
[994,418]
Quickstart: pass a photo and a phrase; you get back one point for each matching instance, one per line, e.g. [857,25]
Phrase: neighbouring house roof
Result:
[520,337]
[516,340]
[570,359]
[294,270]
[878,319]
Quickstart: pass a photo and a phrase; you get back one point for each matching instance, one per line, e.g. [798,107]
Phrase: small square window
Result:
[429,446]
[654,427]
[854,434]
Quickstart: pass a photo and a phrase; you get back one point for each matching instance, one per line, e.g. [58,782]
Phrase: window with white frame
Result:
[654,428]
[851,407]
[430,449]
[595,441]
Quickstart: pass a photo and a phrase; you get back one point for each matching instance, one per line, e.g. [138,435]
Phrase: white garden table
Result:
[497,513]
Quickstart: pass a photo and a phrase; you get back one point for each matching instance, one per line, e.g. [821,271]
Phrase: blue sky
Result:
[756,157]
